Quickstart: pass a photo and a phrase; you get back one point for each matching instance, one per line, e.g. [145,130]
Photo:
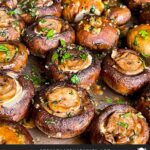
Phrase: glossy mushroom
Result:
[125,71]
[13,56]
[119,15]
[63,111]
[13,133]
[16,94]
[120,124]
[33,9]
[96,33]
[138,39]
[11,26]
[46,33]
[73,63]
[75,10]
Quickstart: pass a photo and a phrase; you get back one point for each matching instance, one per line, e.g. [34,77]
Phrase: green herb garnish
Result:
[66,56]
[75,79]
[124,125]
[63,43]
[120,101]
[109,100]
[50,34]
[140,115]
[92,10]
[126,115]
[48,121]
[55,56]
[83,56]
[143,34]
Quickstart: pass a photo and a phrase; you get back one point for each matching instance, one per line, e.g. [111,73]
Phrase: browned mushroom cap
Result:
[75,10]
[46,33]
[143,104]
[11,4]
[138,39]
[13,133]
[119,15]
[145,14]
[32,9]
[120,124]
[125,71]
[11,26]
[16,94]
[135,4]
[13,56]
[96,33]
[75,64]
[63,111]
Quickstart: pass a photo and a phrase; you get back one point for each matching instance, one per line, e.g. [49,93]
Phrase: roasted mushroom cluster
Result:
[74,64]
[63,111]
[45,35]
[72,67]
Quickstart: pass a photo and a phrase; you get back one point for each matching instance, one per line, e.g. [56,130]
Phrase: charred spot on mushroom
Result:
[62,108]
[120,124]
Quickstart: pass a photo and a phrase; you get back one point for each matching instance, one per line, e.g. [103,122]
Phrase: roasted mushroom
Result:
[13,56]
[138,39]
[125,71]
[32,9]
[143,104]
[120,124]
[119,15]
[13,133]
[46,33]
[11,4]
[75,64]
[75,10]
[11,26]
[16,94]
[63,111]
[96,33]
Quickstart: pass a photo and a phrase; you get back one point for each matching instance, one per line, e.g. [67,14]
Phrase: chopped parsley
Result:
[123,124]
[126,115]
[143,34]
[75,79]
[80,48]
[120,101]
[108,100]
[55,57]
[4,49]
[140,115]
[63,43]
[50,34]
[65,56]
[83,56]
[13,12]
[48,121]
